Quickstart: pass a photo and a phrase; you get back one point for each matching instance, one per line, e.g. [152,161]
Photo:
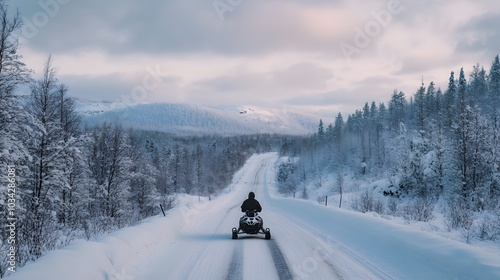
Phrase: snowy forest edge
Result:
[436,153]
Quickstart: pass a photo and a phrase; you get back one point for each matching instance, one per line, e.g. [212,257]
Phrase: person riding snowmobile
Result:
[251,222]
[251,204]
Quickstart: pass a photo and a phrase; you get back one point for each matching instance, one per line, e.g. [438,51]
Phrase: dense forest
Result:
[439,151]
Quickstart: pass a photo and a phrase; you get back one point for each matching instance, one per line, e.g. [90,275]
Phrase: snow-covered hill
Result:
[189,119]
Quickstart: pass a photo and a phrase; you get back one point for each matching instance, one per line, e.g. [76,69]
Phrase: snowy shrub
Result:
[378,206]
[321,199]
[496,224]
[169,202]
[355,203]
[392,205]
[406,213]
[365,202]
[418,210]
[487,228]
[286,178]
[304,194]
[39,232]
[467,233]
[98,226]
[87,232]
[423,209]
[496,230]
[458,214]
[4,260]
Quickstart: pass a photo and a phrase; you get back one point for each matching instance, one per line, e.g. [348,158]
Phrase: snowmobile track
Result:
[280,262]
[235,270]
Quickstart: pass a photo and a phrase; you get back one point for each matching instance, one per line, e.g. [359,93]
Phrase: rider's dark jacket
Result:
[251,204]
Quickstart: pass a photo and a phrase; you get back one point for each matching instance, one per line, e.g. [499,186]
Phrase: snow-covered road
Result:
[309,241]
[205,250]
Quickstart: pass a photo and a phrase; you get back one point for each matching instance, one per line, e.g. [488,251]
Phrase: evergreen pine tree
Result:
[449,100]
[479,87]
[321,131]
[420,108]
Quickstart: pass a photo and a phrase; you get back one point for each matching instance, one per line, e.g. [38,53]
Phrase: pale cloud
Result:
[481,34]
[267,51]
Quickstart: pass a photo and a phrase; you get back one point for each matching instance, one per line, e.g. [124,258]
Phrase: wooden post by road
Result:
[161,207]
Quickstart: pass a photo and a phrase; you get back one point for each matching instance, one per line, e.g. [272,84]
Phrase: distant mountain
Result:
[190,119]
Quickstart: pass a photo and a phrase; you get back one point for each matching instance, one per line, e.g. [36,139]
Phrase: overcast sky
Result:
[329,55]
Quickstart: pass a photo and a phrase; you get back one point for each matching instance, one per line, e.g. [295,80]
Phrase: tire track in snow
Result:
[235,271]
[280,262]
[207,252]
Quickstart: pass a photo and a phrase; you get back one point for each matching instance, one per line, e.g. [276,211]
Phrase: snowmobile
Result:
[251,223]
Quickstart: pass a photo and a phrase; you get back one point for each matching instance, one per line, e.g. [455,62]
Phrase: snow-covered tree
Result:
[144,196]
[110,166]
[338,127]
[286,178]
[431,101]
[13,129]
[449,101]
[397,111]
[51,149]
[321,131]
[494,85]
[479,86]
[462,99]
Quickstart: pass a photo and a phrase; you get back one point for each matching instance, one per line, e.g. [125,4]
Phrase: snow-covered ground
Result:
[309,241]
[353,188]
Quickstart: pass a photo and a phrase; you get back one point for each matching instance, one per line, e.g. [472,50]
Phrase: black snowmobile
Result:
[251,223]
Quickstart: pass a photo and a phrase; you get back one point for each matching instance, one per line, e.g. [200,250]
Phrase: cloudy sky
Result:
[326,55]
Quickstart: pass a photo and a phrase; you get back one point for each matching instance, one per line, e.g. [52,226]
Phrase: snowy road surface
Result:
[309,241]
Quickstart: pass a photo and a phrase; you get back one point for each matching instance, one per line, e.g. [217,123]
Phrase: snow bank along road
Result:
[309,241]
